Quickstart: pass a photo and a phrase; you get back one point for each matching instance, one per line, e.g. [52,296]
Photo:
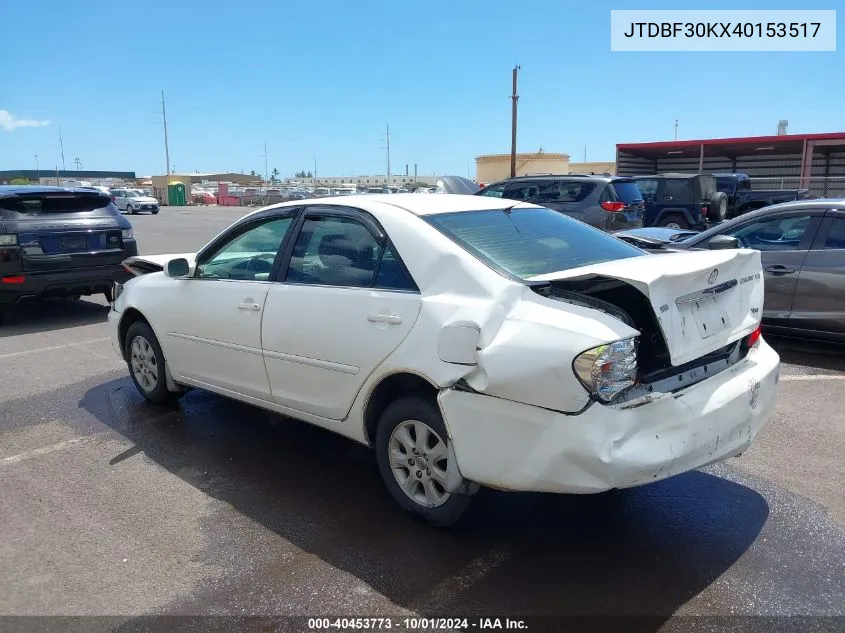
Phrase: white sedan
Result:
[471,341]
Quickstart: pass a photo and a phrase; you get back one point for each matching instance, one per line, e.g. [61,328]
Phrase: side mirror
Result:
[720,242]
[177,268]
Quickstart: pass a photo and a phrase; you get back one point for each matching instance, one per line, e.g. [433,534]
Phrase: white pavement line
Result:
[812,377]
[38,452]
[53,347]
[447,591]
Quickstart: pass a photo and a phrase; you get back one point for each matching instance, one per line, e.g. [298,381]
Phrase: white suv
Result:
[133,200]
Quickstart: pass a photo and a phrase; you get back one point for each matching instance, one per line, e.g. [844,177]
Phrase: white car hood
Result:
[143,200]
[703,300]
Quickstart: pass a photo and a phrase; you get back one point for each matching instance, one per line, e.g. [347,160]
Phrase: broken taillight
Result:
[608,370]
[752,339]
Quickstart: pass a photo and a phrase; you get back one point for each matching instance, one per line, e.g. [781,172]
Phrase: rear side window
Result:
[708,187]
[626,191]
[49,204]
[836,236]
[566,191]
[529,242]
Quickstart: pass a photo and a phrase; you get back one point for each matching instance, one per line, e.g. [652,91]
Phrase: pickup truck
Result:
[742,199]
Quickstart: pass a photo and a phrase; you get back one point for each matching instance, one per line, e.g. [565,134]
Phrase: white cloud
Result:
[10,122]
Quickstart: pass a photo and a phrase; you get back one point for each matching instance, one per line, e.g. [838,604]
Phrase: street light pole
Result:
[37,170]
[514,99]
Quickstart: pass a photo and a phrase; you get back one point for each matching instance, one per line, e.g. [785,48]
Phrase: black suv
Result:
[606,202]
[682,201]
[58,242]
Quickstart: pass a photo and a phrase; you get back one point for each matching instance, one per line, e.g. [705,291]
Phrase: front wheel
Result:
[146,364]
[413,458]
[130,210]
[154,212]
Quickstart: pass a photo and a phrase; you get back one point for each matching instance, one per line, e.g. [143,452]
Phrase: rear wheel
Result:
[674,221]
[154,211]
[130,210]
[413,458]
[146,364]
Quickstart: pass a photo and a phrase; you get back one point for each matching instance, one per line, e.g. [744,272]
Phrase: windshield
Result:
[136,193]
[35,204]
[530,242]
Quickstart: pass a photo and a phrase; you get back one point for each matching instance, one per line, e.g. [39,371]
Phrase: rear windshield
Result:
[529,242]
[626,191]
[39,204]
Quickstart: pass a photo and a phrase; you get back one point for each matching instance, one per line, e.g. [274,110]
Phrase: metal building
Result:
[785,161]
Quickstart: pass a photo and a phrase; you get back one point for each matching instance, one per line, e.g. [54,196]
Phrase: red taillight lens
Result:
[754,337]
[13,279]
[613,207]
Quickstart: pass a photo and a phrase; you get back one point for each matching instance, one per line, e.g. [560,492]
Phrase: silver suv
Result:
[609,203]
[133,200]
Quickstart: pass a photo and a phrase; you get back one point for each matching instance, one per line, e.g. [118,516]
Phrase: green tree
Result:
[274,174]
[302,174]
[21,181]
[310,175]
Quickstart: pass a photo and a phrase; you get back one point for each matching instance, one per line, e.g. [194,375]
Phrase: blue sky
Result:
[323,78]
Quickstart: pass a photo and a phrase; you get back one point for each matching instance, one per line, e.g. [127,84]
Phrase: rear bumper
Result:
[512,446]
[58,283]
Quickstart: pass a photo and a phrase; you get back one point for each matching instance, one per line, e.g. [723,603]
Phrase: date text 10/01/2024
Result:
[414,624]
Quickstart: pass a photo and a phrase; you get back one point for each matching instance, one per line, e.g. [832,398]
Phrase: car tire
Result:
[399,432]
[154,211]
[717,211]
[674,221]
[130,210]
[147,364]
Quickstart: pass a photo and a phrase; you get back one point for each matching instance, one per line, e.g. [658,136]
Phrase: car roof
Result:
[412,203]
[670,175]
[600,177]
[11,191]
[814,203]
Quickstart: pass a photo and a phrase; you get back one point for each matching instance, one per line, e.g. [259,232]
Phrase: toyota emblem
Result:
[713,276]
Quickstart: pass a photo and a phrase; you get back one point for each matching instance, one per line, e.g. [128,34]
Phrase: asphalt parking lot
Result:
[113,507]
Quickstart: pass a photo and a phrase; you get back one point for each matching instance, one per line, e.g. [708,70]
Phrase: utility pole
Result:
[388,154]
[585,153]
[37,170]
[166,146]
[62,148]
[78,162]
[415,173]
[676,129]
[515,99]
[266,176]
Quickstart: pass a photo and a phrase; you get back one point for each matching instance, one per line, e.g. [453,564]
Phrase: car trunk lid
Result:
[702,301]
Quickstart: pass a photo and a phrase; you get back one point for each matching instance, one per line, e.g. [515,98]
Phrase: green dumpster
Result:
[176,194]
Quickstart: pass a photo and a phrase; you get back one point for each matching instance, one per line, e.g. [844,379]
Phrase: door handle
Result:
[393,319]
[249,305]
[777,269]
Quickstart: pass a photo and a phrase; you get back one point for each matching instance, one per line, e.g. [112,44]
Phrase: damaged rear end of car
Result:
[612,374]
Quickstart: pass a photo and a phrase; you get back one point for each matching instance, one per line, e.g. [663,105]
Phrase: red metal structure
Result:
[815,161]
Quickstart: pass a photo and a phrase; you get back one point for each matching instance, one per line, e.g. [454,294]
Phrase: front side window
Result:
[249,255]
[493,191]
[333,251]
[530,242]
[566,191]
[522,190]
[775,234]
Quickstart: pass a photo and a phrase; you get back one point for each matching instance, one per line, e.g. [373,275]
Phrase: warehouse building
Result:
[53,176]
[784,161]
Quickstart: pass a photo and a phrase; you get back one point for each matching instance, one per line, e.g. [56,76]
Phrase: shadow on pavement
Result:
[643,551]
[48,316]
[828,356]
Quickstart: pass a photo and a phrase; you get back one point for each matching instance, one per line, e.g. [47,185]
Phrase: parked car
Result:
[742,199]
[57,242]
[605,202]
[802,249]
[682,201]
[378,190]
[470,342]
[133,200]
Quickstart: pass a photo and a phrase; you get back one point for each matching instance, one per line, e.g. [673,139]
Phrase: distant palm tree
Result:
[274,173]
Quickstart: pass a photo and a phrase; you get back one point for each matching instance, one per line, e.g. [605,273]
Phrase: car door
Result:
[344,302]
[783,241]
[819,303]
[569,197]
[212,326]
